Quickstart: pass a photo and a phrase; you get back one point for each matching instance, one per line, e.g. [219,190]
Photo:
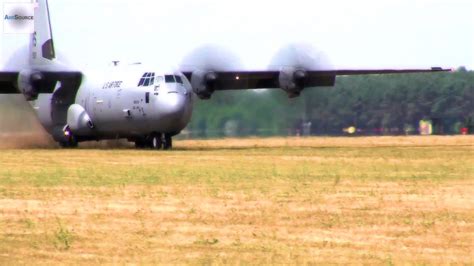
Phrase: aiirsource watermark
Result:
[18,18]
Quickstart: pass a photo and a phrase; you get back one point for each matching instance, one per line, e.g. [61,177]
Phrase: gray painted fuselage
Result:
[116,107]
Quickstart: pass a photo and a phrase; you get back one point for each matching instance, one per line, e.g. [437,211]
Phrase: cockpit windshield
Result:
[173,79]
[169,79]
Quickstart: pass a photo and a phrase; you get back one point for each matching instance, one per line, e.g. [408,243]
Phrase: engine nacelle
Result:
[29,83]
[292,81]
[78,120]
[204,83]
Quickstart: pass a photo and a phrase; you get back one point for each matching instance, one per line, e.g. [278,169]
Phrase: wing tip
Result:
[440,69]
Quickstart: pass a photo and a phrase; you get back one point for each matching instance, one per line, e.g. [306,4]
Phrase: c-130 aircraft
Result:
[139,103]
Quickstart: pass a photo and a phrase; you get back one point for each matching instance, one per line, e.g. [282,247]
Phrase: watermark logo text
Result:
[18,18]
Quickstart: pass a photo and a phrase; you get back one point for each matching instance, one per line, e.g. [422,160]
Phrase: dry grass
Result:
[321,142]
[339,200]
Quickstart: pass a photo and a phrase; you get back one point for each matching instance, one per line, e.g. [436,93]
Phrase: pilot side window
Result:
[169,79]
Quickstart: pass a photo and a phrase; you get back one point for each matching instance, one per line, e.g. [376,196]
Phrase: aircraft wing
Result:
[8,81]
[349,72]
[235,80]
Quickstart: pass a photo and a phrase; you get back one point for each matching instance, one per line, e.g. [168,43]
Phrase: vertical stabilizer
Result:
[41,44]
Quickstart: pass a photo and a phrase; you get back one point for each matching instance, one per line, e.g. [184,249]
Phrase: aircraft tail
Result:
[41,44]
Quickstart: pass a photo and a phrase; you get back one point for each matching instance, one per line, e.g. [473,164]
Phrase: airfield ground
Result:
[364,200]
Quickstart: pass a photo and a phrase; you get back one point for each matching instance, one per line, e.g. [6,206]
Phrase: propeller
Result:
[210,58]
[293,62]
[300,56]
[204,63]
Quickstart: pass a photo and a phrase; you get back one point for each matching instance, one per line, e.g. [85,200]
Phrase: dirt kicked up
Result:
[316,200]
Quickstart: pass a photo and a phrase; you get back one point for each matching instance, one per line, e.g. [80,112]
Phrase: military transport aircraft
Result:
[145,105]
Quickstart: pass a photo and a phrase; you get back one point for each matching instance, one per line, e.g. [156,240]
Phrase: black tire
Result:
[156,142]
[168,144]
[140,144]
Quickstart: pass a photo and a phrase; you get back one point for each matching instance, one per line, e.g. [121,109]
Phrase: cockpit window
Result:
[169,79]
[179,79]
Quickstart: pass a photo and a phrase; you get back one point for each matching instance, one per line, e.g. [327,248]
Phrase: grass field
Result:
[384,200]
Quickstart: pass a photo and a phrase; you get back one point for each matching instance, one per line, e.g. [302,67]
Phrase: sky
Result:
[351,34]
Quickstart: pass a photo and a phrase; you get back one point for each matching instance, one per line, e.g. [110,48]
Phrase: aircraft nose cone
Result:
[172,112]
[172,105]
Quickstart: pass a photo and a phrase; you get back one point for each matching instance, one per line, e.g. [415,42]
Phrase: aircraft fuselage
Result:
[132,104]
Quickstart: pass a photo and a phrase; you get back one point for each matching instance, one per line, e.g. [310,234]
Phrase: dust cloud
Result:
[19,127]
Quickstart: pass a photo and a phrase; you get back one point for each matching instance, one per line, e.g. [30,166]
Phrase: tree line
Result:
[378,104]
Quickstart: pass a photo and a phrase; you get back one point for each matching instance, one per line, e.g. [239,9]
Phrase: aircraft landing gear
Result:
[140,144]
[155,141]
[168,144]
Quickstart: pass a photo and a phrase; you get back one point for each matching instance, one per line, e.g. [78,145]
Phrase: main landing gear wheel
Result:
[140,144]
[168,144]
[156,142]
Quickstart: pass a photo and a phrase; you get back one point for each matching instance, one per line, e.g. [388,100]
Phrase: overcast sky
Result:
[352,34]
